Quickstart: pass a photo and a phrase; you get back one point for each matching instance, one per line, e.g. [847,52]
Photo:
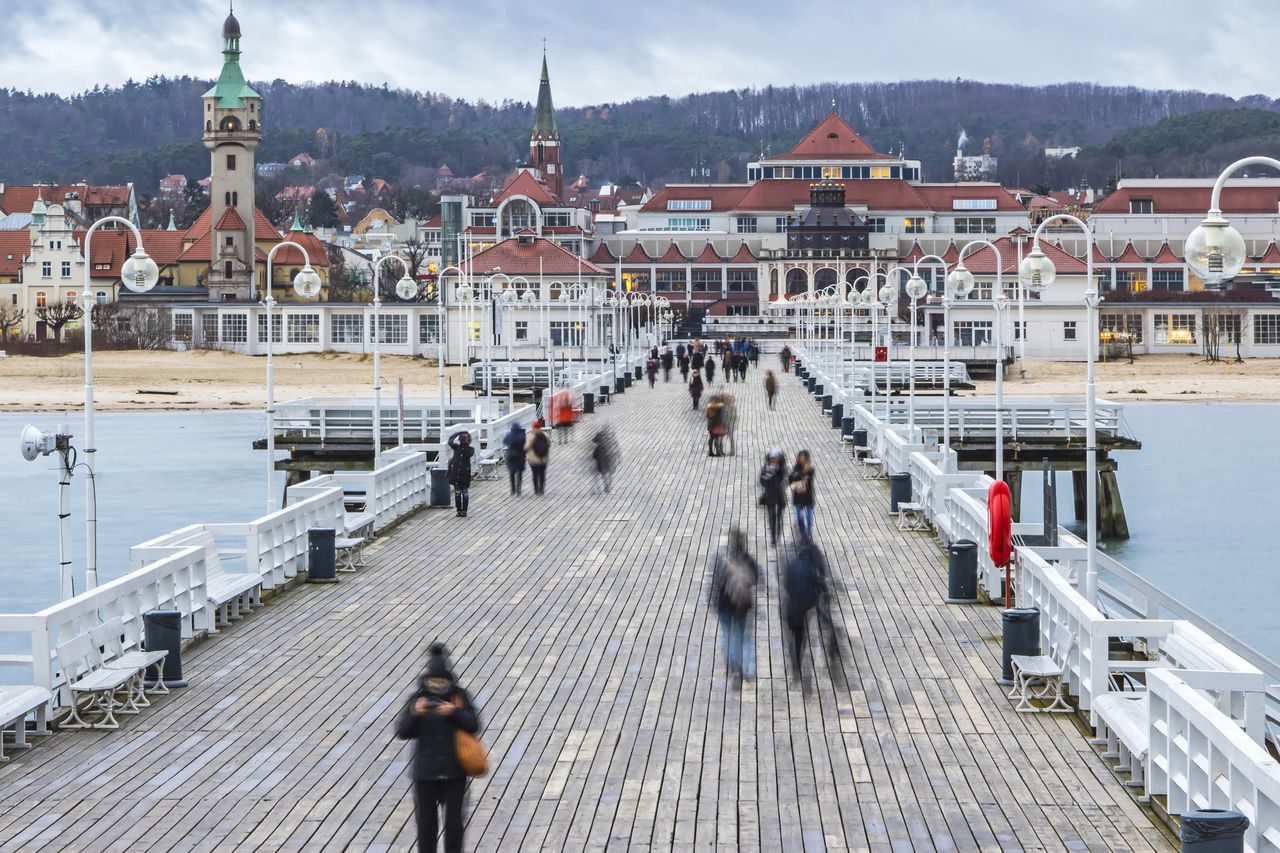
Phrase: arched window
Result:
[797,281]
[208,125]
[519,214]
[42,299]
[824,278]
[230,123]
[101,297]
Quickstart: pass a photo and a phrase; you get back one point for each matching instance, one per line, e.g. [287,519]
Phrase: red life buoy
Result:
[999,523]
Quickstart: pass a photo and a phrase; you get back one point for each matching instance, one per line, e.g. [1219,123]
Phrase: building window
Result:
[1069,330]
[688,204]
[428,328]
[101,297]
[1133,281]
[975,225]
[522,330]
[182,326]
[973,333]
[1266,328]
[564,333]
[235,328]
[1141,205]
[46,269]
[1166,279]
[880,172]
[66,269]
[231,241]
[913,225]
[747,225]
[482,220]
[1019,330]
[231,162]
[688,223]
[304,328]
[42,299]
[876,224]
[742,281]
[1226,327]
[973,204]
[558,219]
[473,333]
[276,327]
[393,328]
[705,280]
[669,280]
[1175,328]
[1119,327]
[209,328]
[780,224]
[345,328]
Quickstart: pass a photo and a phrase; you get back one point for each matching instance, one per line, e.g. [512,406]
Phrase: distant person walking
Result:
[734,576]
[770,387]
[773,491]
[684,367]
[729,417]
[710,365]
[434,714]
[802,497]
[537,449]
[651,370]
[785,357]
[668,361]
[604,454]
[696,357]
[695,389]
[513,450]
[715,425]
[459,471]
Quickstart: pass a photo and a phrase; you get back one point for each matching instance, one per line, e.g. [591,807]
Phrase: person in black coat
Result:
[802,497]
[773,491]
[431,718]
[710,365]
[734,576]
[695,389]
[459,470]
[684,367]
[805,589]
[668,361]
[513,442]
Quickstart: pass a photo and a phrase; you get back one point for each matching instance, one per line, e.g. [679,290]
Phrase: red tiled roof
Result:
[952,254]
[743,256]
[14,246]
[637,255]
[1041,202]
[200,249]
[941,197]
[1271,255]
[524,183]
[1166,256]
[722,197]
[914,255]
[20,198]
[317,252]
[1129,256]
[833,139]
[164,247]
[708,256]
[529,257]
[982,261]
[673,255]
[602,256]
[884,194]
[1194,199]
[1098,257]
[230,221]
[109,246]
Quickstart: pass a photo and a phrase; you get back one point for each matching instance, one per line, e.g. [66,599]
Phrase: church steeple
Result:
[544,141]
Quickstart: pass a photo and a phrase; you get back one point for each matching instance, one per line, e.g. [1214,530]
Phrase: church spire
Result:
[544,118]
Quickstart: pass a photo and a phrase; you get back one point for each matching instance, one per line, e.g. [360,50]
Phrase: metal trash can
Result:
[619,385]
[899,490]
[588,402]
[826,401]
[859,440]
[162,632]
[962,572]
[837,415]
[639,371]
[439,487]
[811,382]
[322,555]
[1021,636]
[1213,831]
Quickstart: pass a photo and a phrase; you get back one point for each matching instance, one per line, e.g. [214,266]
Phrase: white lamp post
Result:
[1036,272]
[306,284]
[888,296]
[915,289]
[959,284]
[1215,250]
[405,283]
[139,274]
[946,366]
[1000,302]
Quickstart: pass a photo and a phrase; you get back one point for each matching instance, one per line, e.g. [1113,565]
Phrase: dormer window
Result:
[1141,205]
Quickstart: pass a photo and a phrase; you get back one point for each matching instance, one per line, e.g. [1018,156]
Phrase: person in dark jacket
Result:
[804,590]
[537,448]
[710,366]
[437,709]
[513,441]
[684,367]
[459,470]
[770,387]
[695,389]
[802,498]
[651,370]
[785,357]
[696,358]
[668,361]
[604,454]
[734,576]
[773,491]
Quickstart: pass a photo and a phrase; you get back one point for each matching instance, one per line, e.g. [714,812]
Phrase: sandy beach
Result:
[212,380]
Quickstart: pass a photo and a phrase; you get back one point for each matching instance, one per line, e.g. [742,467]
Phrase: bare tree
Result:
[11,317]
[147,326]
[55,315]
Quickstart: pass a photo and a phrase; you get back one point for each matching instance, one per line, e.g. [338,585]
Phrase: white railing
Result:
[351,418]
[859,374]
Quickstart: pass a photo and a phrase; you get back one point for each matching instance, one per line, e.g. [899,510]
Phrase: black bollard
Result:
[846,426]
[1213,831]
[1021,636]
[638,372]
[162,632]
[826,402]
[962,572]
[837,415]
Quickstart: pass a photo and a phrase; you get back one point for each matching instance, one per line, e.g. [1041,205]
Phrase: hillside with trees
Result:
[143,131]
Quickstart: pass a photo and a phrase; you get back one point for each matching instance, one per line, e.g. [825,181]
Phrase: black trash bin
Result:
[1213,831]
[639,371]
[837,415]
[811,382]
[859,441]
[604,393]
[322,557]
[439,487]
[619,385]
[162,632]
[826,402]
[1021,635]
[899,490]
[962,572]
[846,425]
[588,402]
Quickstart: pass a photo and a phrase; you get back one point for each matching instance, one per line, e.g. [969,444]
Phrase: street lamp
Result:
[999,302]
[946,364]
[959,284]
[915,289]
[139,274]
[405,283]
[306,284]
[1036,272]
[408,290]
[1215,250]
[509,299]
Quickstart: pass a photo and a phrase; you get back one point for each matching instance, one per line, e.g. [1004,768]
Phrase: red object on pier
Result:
[566,408]
[1000,531]
[882,354]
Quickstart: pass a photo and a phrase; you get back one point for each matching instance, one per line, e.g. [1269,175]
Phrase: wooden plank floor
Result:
[579,622]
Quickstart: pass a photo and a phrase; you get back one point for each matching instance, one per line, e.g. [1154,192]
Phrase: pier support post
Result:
[1014,480]
[1112,523]
[1079,480]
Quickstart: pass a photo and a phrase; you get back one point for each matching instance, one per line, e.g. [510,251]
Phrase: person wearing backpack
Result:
[433,716]
[537,449]
[459,470]
[804,582]
[734,576]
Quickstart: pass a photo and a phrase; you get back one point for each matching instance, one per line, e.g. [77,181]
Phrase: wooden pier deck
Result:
[579,622]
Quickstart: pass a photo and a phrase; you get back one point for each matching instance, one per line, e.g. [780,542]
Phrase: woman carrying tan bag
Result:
[442,722]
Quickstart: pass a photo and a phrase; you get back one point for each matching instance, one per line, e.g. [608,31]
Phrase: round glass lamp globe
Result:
[1215,250]
[888,292]
[406,288]
[464,292]
[306,283]
[529,297]
[916,287]
[140,273]
[1036,272]
[960,282]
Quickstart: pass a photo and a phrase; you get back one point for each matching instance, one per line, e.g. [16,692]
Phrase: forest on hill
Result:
[142,131]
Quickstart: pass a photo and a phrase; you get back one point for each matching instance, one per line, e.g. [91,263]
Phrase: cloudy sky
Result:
[602,51]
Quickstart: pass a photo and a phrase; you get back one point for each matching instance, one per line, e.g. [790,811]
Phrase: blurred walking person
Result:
[604,454]
[683,360]
[804,590]
[734,576]
[651,370]
[668,361]
[770,387]
[773,491]
[513,444]
[802,497]
[695,389]
[434,714]
[459,471]
[785,357]
[715,425]
[537,448]
[710,365]
[729,417]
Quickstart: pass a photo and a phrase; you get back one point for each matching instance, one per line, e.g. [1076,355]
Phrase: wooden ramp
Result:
[579,622]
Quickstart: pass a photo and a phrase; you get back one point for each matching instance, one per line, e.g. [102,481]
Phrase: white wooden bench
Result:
[1039,677]
[230,595]
[17,704]
[872,467]
[911,516]
[109,637]
[357,532]
[487,467]
[87,676]
[1124,727]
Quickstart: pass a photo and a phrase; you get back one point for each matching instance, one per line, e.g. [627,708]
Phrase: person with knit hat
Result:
[434,713]
[537,449]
